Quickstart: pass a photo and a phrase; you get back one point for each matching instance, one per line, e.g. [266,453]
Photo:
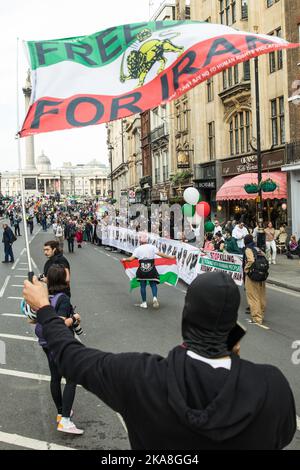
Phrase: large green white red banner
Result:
[124,70]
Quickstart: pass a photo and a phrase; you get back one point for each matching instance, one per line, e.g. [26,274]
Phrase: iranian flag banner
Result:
[166,268]
[124,70]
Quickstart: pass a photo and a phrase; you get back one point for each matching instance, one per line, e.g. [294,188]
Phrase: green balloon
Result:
[200,198]
[209,227]
[188,210]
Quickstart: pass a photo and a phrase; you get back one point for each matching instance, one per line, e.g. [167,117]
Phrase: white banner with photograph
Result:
[190,260]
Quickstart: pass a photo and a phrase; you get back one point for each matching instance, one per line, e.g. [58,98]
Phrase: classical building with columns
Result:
[81,180]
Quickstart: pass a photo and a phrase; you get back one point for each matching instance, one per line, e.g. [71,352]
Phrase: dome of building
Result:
[96,163]
[43,163]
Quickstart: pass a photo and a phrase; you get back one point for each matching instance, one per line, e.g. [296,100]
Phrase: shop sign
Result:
[210,184]
[183,160]
[248,164]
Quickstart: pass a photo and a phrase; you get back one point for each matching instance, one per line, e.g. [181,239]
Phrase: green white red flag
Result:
[124,70]
[166,268]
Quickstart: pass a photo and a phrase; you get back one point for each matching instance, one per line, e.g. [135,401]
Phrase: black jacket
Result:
[8,236]
[179,402]
[56,259]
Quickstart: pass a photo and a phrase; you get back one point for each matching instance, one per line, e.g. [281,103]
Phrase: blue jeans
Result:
[8,253]
[153,286]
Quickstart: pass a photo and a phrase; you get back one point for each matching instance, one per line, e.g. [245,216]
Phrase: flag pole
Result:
[30,272]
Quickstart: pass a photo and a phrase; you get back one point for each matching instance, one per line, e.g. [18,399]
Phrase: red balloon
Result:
[203,209]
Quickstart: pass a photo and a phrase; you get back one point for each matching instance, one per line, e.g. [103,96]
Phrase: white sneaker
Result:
[274,262]
[144,305]
[155,302]
[69,428]
[58,417]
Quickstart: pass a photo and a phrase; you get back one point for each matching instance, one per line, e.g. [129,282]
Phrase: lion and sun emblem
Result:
[145,54]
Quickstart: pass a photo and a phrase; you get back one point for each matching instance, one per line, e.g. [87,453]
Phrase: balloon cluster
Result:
[194,209]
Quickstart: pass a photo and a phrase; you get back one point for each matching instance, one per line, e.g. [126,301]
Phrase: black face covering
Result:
[209,314]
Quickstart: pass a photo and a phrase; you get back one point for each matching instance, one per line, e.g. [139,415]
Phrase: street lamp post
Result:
[261,237]
[110,148]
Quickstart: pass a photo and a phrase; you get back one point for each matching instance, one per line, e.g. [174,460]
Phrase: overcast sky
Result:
[35,20]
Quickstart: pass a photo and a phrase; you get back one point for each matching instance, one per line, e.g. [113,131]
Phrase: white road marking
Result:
[260,326]
[23,276]
[15,298]
[33,263]
[263,326]
[28,443]
[23,338]
[298,422]
[35,235]
[24,263]
[284,291]
[4,285]
[25,375]
[117,259]
[22,269]
[17,285]
[13,315]
[15,264]
[122,421]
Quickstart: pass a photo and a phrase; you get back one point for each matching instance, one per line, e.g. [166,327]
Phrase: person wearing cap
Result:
[147,272]
[200,397]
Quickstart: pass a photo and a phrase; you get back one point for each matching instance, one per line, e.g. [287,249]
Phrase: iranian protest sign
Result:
[124,70]
[215,261]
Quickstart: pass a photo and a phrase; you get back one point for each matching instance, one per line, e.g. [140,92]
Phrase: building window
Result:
[274,122]
[230,77]
[165,167]
[246,66]
[211,140]
[233,11]
[276,58]
[210,89]
[227,9]
[244,9]
[236,74]
[239,133]
[230,82]
[271,2]
[178,119]
[278,121]
[225,85]
[185,116]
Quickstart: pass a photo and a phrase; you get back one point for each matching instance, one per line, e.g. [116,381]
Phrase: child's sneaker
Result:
[155,302]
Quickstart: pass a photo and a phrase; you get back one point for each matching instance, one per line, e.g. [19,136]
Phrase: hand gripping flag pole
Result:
[30,272]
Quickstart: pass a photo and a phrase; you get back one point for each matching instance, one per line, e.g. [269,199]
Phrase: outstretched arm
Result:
[163,255]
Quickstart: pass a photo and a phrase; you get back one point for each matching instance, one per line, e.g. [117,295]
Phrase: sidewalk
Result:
[286,273]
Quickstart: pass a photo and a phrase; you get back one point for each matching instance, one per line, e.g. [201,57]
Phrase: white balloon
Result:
[191,196]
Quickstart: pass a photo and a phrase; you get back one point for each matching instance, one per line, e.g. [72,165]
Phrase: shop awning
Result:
[234,188]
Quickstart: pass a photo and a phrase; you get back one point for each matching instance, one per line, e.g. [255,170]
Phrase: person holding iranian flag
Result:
[146,271]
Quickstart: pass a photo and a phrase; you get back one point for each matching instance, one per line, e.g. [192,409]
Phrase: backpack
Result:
[59,231]
[259,270]
[38,326]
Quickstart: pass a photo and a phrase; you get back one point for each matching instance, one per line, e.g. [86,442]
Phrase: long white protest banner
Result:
[190,260]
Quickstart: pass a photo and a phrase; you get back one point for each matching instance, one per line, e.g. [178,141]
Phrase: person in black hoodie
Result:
[201,396]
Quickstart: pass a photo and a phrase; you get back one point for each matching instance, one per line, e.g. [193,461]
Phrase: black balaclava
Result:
[209,314]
